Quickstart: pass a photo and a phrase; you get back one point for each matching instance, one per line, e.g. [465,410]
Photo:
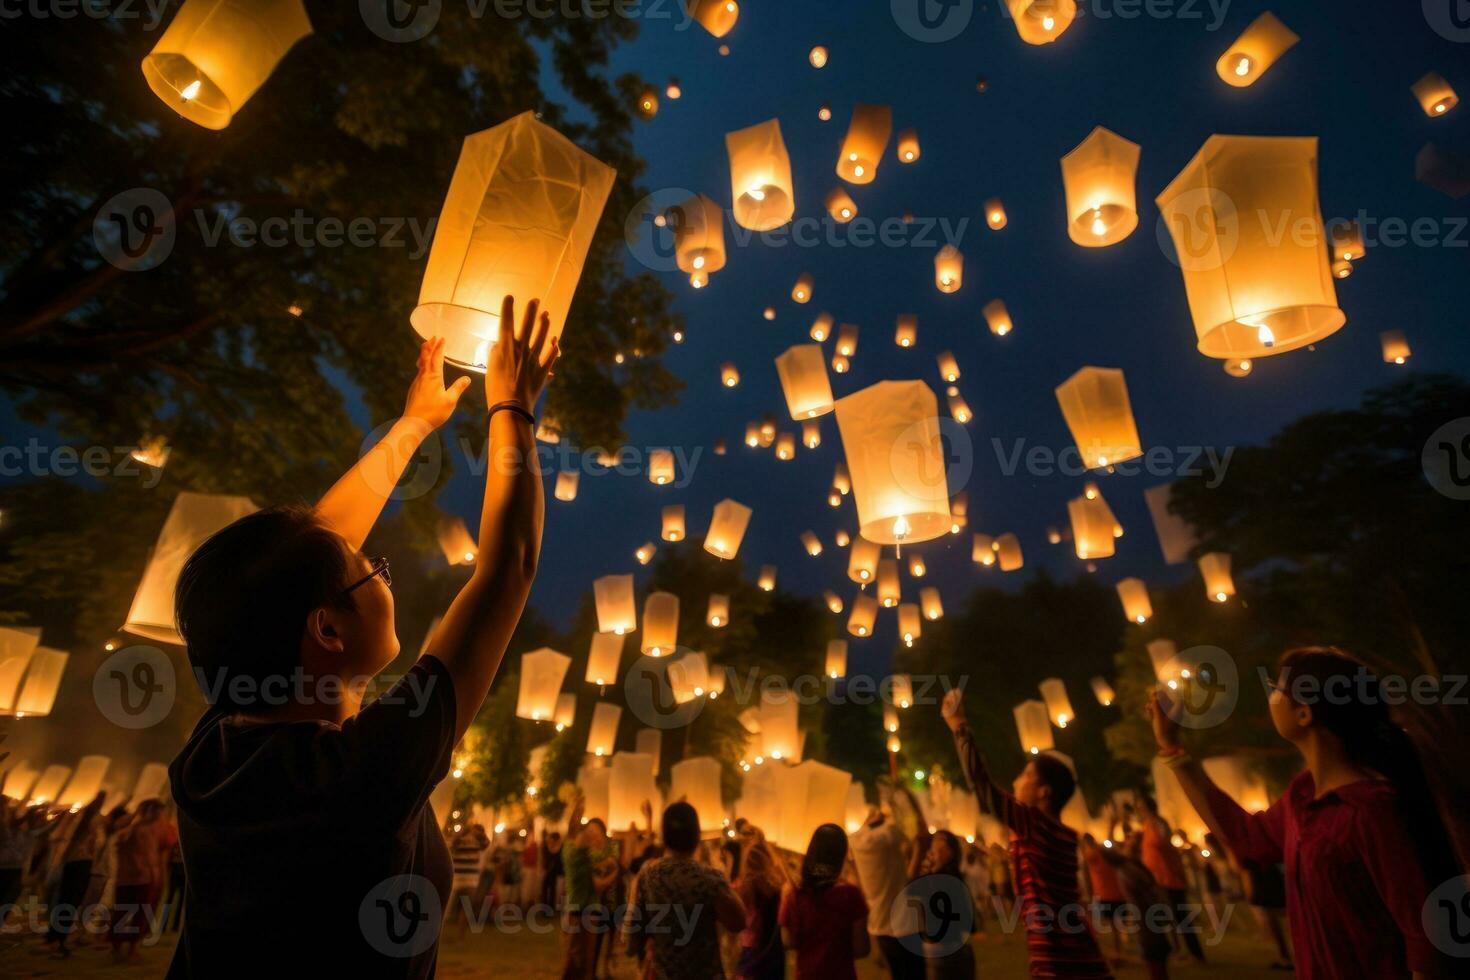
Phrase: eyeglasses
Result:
[380,567]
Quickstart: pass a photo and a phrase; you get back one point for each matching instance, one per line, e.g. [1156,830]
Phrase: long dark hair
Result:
[825,855]
[952,866]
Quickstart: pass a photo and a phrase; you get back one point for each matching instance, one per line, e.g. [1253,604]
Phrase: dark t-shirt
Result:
[309,846]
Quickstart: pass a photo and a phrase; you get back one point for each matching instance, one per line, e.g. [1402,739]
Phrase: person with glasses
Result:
[306,832]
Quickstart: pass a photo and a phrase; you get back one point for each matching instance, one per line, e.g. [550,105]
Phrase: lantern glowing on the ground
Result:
[767,580]
[566,485]
[660,623]
[1008,551]
[802,291]
[616,610]
[673,523]
[1041,21]
[1033,726]
[729,375]
[888,586]
[997,317]
[603,658]
[1092,527]
[890,437]
[863,146]
[519,217]
[542,672]
[699,238]
[696,781]
[1264,41]
[929,602]
[910,622]
[841,206]
[949,269]
[810,543]
[1058,705]
[1103,691]
[982,549]
[821,327]
[863,614]
[760,177]
[908,146]
[660,466]
[804,381]
[862,561]
[1435,95]
[833,600]
[906,334]
[1095,403]
[1214,567]
[1395,346]
[645,552]
[217,53]
[726,528]
[1099,176]
[949,369]
[811,433]
[901,691]
[1253,290]
[1134,595]
[716,16]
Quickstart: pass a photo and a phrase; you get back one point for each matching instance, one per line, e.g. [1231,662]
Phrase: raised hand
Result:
[953,709]
[428,400]
[521,362]
[1166,729]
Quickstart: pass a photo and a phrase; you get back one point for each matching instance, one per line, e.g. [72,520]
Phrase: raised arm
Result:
[473,635]
[993,800]
[352,506]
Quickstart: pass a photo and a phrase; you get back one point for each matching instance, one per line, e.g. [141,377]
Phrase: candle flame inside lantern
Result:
[191,90]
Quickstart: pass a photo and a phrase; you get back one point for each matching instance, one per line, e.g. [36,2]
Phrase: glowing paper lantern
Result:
[908,146]
[862,561]
[982,549]
[949,369]
[1163,654]
[1238,368]
[673,91]
[1058,706]
[696,781]
[802,291]
[729,375]
[455,541]
[995,214]
[716,16]
[752,434]
[1099,176]
[841,206]
[811,543]
[867,138]
[699,238]
[616,611]
[630,786]
[689,677]
[1033,725]
[17,644]
[821,327]
[901,691]
[602,736]
[1008,550]
[673,523]
[726,528]
[817,56]
[1103,691]
[719,610]
[566,711]
[192,518]
[18,781]
[811,433]
[1041,21]
[519,217]
[36,694]
[857,807]
[949,269]
[778,724]
[997,317]
[760,177]
[1215,568]
[959,506]
[804,381]
[824,112]
[1095,403]
[1347,241]
[864,613]
[648,102]
[929,602]
[890,719]
[895,745]
[1134,595]
[603,658]
[542,672]
[841,479]
[216,53]
[1395,346]
[1237,778]
[959,409]
[1092,527]
[888,587]
[1256,50]
[593,781]
[847,339]
[1176,535]
[836,665]
[645,552]
[907,332]
[890,437]
[152,451]
[50,784]
[811,794]
[660,623]
[649,742]
[840,364]
[833,600]
[566,485]
[1435,95]
[767,581]
[1253,290]
[910,622]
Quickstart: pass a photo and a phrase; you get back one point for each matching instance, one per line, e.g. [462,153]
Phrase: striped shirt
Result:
[1044,862]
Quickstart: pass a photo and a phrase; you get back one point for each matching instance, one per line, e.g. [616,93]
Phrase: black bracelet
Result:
[515,408]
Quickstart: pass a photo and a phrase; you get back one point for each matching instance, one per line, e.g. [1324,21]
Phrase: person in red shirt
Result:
[1104,890]
[1359,830]
[1162,860]
[825,919]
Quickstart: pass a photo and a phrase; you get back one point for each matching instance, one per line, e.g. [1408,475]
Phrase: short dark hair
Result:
[1055,776]
[243,597]
[681,827]
[595,820]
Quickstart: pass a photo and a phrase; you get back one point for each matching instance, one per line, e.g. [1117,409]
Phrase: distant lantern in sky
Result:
[917,569]
[726,528]
[566,485]
[645,552]
[780,734]
[811,433]
[910,622]
[821,327]
[1256,50]
[674,91]
[824,112]
[1341,268]
[1058,705]
[817,56]
[660,466]
[767,580]
[1214,567]
[542,672]
[841,479]
[752,434]
[841,206]
[949,369]
[603,658]
[1347,240]
[1435,95]
[862,561]
[888,585]
[836,665]
[864,612]
[1103,691]
[811,543]
[1040,21]
[1008,551]
[908,146]
[802,291]
[660,623]
[215,54]
[804,381]
[769,313]
[1395,346]
[729,375]
[982,549]
[930,602]
[906,334]
[833,600]
[1092,527]
[648,102]
[863,146]
[959,409]
[900,691]
[1163,654]
[697,781]
[995,214]
[895,744]
[1252,290]
[455,541]
[602,735]
[38,682]
[522,208]
[1238,367]
[673,523]
[841,538]
[1134,595]
[890,437]
[840,364]
[1099,177]
[786,446]
[613,596]
[719,610]
[949,269]
[1033,726]
[716,16]
[760,177]
[1095,403]
[699,237]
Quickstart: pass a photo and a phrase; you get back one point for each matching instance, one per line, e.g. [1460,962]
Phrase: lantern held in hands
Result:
[1099,176]
[890,437]
[760,177]
[1265,40]
[867,138]
[804,381]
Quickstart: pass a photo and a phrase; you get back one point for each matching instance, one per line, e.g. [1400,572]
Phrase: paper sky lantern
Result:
[841,479]
[729,375]
[566,711]
[862,561]
[542,672]
[18,781]
[836,664]
[1103,691]
[1095,403]
[888,587]
[689,677]
[1215,568]
[660,623]
[901,691]
[760,177]
[1033,725]
[1347,240]
[16,646]
[847,339]
[152,451]
[959,409]
[629,787]
[645,552]
[817,56]
[1092,527]
[752,434]
[857,807]
[699,237]
[1435,95]
[995,214]
[1099,176]
[1253,289]
[929,602]
[910,622]
[726,528]
[649,742]
[949,269]
[1134,595]
[696,781]
[85,782]
[997,317]
[890,719]
[50,784]
[216,53]
[767,581]
[1041,21]
[895,744]
[949,369]
[151,785]
[824,112]
[716,16]
[864,612]
[519,217]
[603,733]
[841,206]
[890,437]
[917,568]
[1163,654]
[833,600]
[778,720]
[455,541]
[982,549]
[840,364]
[192,518]
[1238,367]
[566,485]
[908,146]
[1238,779]
[616,611]
[673,523]
[36,694]
[593,781]
[1008,551]
[1395,346]
[802,291]
[811,433]
[648,102]
[821,327]
[906,334]
[867,138]
[674,91]
[603,658]
[811,794]
[1256,50]
[804,381]
[811,543]
[719,610]
[1176,535]
[1058,706]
